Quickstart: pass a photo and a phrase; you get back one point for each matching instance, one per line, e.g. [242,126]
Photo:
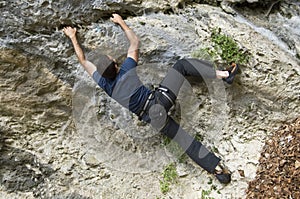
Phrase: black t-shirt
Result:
[126,88]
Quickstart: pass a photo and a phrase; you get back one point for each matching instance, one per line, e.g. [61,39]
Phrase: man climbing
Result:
[123,85]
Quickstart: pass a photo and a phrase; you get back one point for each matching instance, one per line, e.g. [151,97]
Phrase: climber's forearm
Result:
[87,65]
[133,50]
[132,37]
[78,50]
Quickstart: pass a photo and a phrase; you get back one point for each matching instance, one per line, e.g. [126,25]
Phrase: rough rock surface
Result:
[62,137]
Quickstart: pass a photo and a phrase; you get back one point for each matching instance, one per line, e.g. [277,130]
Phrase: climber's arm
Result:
[88,66]
[133,50]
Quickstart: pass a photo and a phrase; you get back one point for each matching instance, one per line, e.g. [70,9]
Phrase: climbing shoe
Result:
[232,73]
[222,174]
[224,178]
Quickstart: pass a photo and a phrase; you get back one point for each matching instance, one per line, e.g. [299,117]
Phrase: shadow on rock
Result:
[70,196]
[20,170]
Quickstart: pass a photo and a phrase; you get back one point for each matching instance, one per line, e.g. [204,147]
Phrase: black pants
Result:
[159,105]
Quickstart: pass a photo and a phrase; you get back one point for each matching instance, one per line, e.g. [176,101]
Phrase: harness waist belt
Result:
[163,91]
[145,105]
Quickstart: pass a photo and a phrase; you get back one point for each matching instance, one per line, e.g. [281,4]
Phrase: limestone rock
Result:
[91,160]
[52,113]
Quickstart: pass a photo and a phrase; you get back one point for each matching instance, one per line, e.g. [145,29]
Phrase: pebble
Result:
[91,160]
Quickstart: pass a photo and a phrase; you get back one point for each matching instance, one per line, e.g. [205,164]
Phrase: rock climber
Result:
[152,106]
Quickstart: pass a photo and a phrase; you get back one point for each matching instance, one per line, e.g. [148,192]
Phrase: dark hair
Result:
[105,66]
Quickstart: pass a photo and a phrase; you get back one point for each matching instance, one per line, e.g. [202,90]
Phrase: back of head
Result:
[105,66]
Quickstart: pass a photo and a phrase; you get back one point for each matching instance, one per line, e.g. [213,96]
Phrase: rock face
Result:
[62,137]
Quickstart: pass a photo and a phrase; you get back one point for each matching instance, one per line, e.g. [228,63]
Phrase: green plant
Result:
[203,53]
[169,176]
[205,194]
[175,149]
[223,47]
[199,137]
[215,149]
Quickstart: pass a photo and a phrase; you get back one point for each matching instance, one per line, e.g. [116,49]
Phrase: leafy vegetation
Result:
[224,48]
[205,194]
[175,149]
[169,176]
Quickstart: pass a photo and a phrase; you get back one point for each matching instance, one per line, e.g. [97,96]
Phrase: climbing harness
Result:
[163,91]
[145,106]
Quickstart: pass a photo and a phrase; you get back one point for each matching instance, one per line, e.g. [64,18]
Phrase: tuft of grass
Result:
[175,149]
[169,177]
[205,194]
[224,48]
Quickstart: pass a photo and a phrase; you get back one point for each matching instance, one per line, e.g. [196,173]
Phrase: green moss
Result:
[142,23]
[169,176]
[175,149]
[199,137]
[205,194]
[215,149]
